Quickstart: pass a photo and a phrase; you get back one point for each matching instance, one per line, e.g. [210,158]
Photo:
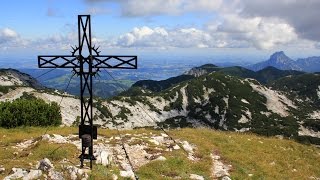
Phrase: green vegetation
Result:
[301,86]
[6,89]
[270,74]
[29,112]
[251,156]
[10,157]
[157,86]
[264,158]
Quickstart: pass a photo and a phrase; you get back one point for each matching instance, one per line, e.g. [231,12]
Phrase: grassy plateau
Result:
[251,156]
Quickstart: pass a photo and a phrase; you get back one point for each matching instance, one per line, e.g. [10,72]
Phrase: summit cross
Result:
[86,62]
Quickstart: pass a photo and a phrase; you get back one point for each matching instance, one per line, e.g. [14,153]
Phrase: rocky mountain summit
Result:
[12,77]
[281,61]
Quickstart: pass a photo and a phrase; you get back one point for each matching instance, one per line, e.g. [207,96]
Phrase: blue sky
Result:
[239,28]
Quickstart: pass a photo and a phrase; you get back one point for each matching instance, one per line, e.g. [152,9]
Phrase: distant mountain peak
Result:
[279,53]
[280,57]
[278,60]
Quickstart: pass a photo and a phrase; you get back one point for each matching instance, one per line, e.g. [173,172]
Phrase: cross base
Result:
[87,156]
[83,156]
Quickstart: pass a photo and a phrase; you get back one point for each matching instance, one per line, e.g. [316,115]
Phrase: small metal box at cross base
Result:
[86,129]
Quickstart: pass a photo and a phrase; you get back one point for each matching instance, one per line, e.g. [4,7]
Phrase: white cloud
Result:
[235,24]
[234,32]
[164,38]
[9,38]
[303,16]
[8,35]
[262,33]
[238,23]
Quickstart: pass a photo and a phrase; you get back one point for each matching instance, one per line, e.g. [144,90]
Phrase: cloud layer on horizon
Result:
[237,24]
[240,23]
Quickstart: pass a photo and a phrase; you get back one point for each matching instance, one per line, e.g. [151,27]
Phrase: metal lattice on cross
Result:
[85,60]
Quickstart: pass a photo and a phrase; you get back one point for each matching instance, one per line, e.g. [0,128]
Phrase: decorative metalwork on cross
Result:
[85,60]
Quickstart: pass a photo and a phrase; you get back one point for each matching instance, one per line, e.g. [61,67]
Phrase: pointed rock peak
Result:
[277,54]
[280,57]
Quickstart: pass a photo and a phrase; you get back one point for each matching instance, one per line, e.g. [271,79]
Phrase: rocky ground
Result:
[142,149]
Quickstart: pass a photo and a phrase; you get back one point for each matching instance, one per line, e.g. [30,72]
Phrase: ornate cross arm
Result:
[58,62]
[120,62]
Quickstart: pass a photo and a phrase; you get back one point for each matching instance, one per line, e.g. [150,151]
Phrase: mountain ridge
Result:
[215,100]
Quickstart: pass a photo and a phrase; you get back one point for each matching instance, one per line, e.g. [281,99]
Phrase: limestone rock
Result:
[54,175]
[114,177]
[219,169]
[2,169]
[164,135]
[226,178]
[154,142]
[127,174]
[159,139]
[161,158]
[104,158]
[46,137]
[17,173]
[186,146]
[125,166]
[73,175]
[45,164]
[196,177]
[74,172]
[33,174]
[25,144]
[176,147]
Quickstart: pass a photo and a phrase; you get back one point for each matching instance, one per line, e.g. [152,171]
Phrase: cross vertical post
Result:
[86,62]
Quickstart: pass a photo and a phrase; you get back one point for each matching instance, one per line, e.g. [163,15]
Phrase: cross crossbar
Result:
[70,61]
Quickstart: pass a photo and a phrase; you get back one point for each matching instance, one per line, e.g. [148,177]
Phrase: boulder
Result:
[54,175]
[186,146]
[114,177]
[33,174]
[2,169]
[75,172]
[17,173]
[46,137]
[196,177]
[226,178]
[45,164]
[176,147]
[161,158]
[127,174]
[154,142]
[104,158]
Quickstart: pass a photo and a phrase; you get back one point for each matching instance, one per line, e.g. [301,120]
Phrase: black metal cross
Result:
[86,61]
